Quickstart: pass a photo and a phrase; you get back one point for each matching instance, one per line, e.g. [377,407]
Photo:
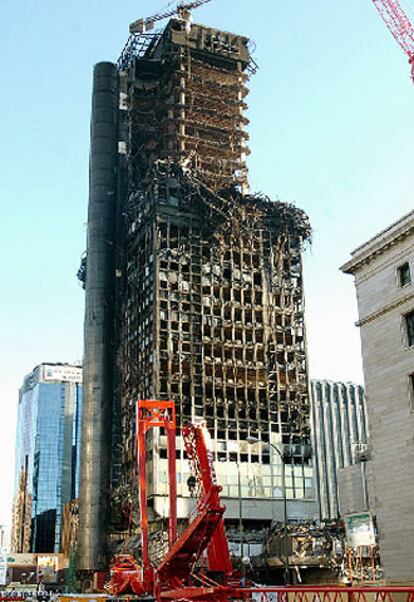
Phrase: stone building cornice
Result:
[385,310]
[377,245]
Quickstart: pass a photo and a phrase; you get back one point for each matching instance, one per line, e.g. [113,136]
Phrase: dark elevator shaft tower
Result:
[194,287]
[98,325]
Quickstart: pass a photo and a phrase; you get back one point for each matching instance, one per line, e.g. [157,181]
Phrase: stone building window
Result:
[411,389]
[404,274]
[409,325]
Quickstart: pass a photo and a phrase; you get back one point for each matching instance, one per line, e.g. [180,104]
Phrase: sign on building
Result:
[47,568]
[359,529]
[65,373]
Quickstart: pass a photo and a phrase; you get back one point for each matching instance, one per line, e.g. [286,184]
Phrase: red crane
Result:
[399,24]
[205,533]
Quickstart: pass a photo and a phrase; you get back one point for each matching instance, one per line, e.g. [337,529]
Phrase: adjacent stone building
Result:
[383,269]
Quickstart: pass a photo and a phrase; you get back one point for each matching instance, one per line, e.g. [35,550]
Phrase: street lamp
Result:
[251,441]
[239,491]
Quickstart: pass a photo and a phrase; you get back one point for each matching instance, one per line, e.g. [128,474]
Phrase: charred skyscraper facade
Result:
[193,288]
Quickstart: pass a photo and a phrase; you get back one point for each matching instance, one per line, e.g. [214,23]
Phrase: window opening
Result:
[404,274]
[409,324]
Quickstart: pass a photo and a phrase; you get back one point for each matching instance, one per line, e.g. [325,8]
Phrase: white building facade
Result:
[384,278]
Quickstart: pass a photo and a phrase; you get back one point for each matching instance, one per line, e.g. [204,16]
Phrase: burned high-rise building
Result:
[193,289]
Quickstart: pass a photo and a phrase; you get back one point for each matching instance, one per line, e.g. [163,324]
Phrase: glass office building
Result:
[47,455]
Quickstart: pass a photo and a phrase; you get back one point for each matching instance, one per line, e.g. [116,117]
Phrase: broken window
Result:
[225,314]
[409,325]
[404,274]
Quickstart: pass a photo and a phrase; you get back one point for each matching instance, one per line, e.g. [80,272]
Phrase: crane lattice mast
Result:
[400,26]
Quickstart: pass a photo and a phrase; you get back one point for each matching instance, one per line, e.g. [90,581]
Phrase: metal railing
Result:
[262,594]
[327,594]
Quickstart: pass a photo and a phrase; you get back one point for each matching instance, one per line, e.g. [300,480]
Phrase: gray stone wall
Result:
[387,362]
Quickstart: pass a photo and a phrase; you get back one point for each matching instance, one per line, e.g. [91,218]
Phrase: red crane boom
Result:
[201,460]
[205,532]
[399,24]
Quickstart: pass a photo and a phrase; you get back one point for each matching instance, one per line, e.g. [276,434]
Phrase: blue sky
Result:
[331,112]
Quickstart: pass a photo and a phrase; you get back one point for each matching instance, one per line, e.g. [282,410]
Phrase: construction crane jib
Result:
[182,10]
[400,26]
